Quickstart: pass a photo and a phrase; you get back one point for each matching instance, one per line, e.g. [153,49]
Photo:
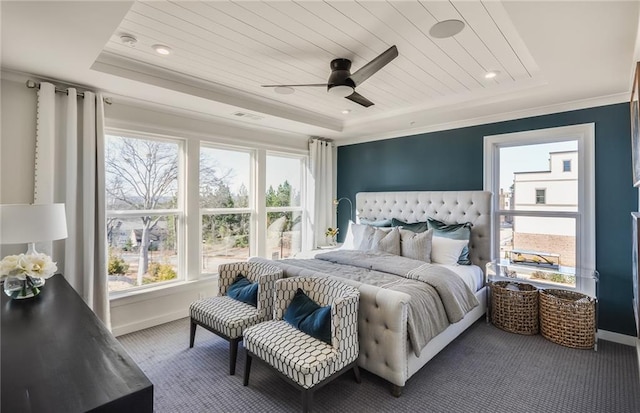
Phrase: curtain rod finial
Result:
[31,84]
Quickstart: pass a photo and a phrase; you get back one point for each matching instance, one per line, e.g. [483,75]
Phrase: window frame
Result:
[566,165]
[302,208]
[179,212]
[251,209]
[584,134]
[543,196]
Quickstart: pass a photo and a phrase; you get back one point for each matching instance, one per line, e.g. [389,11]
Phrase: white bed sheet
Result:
[472,275]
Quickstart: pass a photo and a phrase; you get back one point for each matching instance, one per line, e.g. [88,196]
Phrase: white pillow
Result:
[347,243]
[363,237]
[446,251]
[416,245]
[355,234]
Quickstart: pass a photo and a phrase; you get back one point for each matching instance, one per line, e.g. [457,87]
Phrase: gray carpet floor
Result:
[484,370]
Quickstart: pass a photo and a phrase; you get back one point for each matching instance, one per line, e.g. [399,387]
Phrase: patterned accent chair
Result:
[306,362]
[228,318]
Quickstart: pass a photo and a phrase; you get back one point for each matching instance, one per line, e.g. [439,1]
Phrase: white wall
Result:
[17,147]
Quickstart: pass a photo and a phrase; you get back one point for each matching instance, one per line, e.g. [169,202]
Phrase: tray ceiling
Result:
[243,45]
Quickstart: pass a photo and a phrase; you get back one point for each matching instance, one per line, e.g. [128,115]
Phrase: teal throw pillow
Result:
[453,231]
[244,290]
[415,226]
[307,316]
[383,223]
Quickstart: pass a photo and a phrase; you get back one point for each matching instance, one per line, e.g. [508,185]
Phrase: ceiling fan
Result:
[342,83]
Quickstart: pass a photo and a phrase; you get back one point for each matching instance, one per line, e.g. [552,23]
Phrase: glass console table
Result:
[579,280]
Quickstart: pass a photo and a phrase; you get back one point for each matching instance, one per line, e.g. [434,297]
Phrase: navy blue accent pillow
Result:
[244,290]
[384,223]
[307,316]
[415,226]
[453,231]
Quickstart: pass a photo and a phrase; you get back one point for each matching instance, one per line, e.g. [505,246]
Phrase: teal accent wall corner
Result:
[453,160]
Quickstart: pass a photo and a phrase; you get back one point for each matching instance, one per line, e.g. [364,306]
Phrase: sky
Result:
[528,158]
[279,168]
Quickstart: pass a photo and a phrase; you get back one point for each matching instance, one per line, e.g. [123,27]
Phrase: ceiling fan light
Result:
[446,28]
[341,91]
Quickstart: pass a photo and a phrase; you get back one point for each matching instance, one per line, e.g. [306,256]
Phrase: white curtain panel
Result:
[320,190]
[70,169]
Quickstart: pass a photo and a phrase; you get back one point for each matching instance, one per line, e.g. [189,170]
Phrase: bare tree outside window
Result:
[142,175]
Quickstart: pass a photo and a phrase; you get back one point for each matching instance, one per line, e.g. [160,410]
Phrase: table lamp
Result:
[31,223]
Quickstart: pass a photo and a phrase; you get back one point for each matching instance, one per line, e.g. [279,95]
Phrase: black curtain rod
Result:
[35,85]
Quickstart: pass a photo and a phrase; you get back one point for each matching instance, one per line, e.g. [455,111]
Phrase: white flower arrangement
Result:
[24,266]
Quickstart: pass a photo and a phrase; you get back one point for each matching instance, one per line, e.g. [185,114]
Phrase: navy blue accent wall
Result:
[453,160]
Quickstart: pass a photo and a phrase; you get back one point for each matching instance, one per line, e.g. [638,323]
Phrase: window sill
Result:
[129,297]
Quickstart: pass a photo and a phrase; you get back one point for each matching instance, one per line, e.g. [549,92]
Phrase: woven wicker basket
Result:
[514,311]
[568,318]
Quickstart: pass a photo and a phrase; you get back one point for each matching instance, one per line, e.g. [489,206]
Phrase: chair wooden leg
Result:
[307,400]
[356,373]
[233,354]
[192,335]
[247,368]
[396,390]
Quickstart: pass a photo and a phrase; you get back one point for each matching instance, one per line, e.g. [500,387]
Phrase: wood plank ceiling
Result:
[245,44]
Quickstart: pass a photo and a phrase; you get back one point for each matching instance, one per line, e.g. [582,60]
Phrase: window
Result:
[283,201]
[163,227]
[566,165]
[548,231]
[225,206]
[144,214]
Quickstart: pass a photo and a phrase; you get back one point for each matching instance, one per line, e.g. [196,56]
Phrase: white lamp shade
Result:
[25,223]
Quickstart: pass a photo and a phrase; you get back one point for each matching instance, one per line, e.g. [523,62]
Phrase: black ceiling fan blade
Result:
[359,99]
[309,84]
[373,66]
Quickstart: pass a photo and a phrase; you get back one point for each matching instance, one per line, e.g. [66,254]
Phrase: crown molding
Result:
[501,117]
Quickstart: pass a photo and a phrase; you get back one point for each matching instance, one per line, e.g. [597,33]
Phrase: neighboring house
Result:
[554,189]
[505,203]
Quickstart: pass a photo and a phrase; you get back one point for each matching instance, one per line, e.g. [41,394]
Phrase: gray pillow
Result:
[415,226]
[373,223]
[386,241]
[453,231]
[416,246]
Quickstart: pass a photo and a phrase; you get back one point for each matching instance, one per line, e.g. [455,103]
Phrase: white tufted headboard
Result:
[454,207]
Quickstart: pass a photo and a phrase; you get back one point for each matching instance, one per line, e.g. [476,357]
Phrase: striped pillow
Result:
[416,246]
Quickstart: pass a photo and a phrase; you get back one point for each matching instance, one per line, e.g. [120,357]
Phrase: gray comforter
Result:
[439,296]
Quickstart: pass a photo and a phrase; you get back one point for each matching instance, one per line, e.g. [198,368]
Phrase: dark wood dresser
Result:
[57,356]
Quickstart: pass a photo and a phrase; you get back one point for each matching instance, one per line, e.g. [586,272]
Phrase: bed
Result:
[387,348]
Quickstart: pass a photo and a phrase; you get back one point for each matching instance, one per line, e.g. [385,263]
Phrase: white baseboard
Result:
[149,322]
[617,337]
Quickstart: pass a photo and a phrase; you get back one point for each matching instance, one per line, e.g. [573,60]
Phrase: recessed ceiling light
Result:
[491,74]
[346,111]
[161,49]
[128,40]
[446,28]
[284,90]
